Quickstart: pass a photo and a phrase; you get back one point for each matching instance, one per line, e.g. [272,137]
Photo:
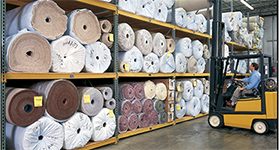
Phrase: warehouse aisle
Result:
[196,135]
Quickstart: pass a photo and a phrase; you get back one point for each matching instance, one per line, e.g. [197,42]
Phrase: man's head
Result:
[254,66]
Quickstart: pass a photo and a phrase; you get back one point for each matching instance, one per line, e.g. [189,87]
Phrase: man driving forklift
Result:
[251,84]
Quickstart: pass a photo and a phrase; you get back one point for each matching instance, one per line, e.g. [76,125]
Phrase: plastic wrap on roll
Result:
[139,90]
[42,134]
[137,106]
[160,11]
[271,84]
[28,52]
[159,106]
[201,23]
[143,120]
[126,37]
[191,21]
[184,46]
[106,40]
[170,45]
[105,26]
[128,5]
[192,65]
[133,122]
[205,104]
[123,124]
[131,61]
[232,20]
[167,64]
[188,90]
[126,108]
[145,8]
[159,44]
[153,117]
[12,21]
[98,58]
[110,104]
[151,63]
[161,91]
[144,41]
[180,63]
[180,110]
[197,49]
[193,107]
[104,125]
[84,26]
[149,89]
[68,55]
[169,3]
[198,88]
[147,106]
[106,92]
[180,17]
[201,65]
[78,130]
[163,117]
[127,92]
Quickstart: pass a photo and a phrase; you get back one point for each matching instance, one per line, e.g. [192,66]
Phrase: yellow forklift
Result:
[258,110]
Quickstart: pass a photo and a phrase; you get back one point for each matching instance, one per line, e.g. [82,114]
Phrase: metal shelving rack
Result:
[115,16]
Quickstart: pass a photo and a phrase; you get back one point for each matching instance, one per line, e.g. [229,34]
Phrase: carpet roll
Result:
[201,65]
[198,87]
[126,108]
[151,63]
[20,107]
[110,104]
[159,106]
[92,100]
[139,90]
[193,107]
[60,98]
[179,86]
[167,63]
[271,84]
[206,52]
[188,91]
[127,92]
[12,21]
[44,17]
[145,8]
[131,61]
[201,23]
[180,17]
[197,49]
[78,130]
[153,118]
[159,44]
[143,120]
[42,134]
[205,103]
[192,65]
[147,106]
[126,37]
[106,40]
[161,91]
[137,106]
[169,3]
[98,58]
[123,124]
[144,41]
[191,21]
[104,125]
[163,117]
[184,46]
[28,52]
[133,122]
[180,109]
[106,91]
[84,26]
[149,89]
[160,11]
[105,26]
[206,86]
[170,45]
[68,55]
[128,5]
[178,97]
[180,63]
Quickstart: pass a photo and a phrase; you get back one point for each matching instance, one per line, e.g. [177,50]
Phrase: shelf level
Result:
[94,145]
[142,74]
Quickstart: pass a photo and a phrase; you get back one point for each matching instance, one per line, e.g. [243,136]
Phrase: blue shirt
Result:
[253,81]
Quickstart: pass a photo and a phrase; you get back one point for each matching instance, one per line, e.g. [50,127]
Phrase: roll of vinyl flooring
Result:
[68,55]
[147,106]
[42,134]
[159,44]
[180,110]
[133,122]
[188,91]
[126,108]
[104,125]
[167,63]
[137,106]
[197,49]
[180,63]
[106,40]
[11,21]
[184,46]
[60,98]
[123,124]
[149,89]
[126,37]
[110,104]
[84,26]
[127,92]
[161,91]
[201,23]
[145,8]
[131,61]
[180,17]
[128,5]
[78,131]
[98,58]
[151,63]
[105,26]
[144,41]
[44,17]
[163,117]
[201,65]
[143,120]
[139,90]
[28,52]
[205,103]
[193,107]
[92,100]
[192,65]
[153,117]
[20,108]
[170,45]
[106,92]
[206,52]
[159,106]
[206,86]
[198,87]
[160,11]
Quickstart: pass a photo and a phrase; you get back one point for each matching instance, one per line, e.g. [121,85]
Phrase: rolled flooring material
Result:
[144,120]
[60,98]
[147,106]
[42,134]
[137,106]
[184,46]
[271,84]
[131,61]
[44,17]
[84,26]
[144,41]
[180,110]
[201,65]
[151,63]
[127,92]
[160,11]
[28,52]
[205,103]
[126,108]
[159,106]
[105,26]
[192,65]
[159,44]
[126,37]
[106,92]
[94,104]
[180,17]
[98,58]
[206,52]
[128,5]
[153,118]
[193,107]
[68,55]
[179,86]
[161,91]
[180,63]
[170,45]
[188,91]
[11,21]
[104,125]
[149,89]
[123,124]
[106,40]
[20,108]
[78,131]
[198,88]
[163,117]
[167,63]
[110,104]
[197,49]
[133,122]
[145,8]
[139,90]
[206,88]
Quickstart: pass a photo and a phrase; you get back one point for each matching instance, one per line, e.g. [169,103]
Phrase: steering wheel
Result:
[238,83]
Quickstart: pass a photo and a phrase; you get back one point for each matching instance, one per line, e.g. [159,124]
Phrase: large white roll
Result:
[11,21]
[68,55]
[232,20]
[206,52]
[106,91]
[104,125]
[145,8]
[169,3]
[198,88]
[205,103]
[126,37]
[149,89]
[201,23]
[193,107]
[180,63]
[160,11]
[188,90]
[192,65]
[128,5]
[206,85]
[167,64]
[144,41]
[201,65]
[42,134]
[78,131]
[159,44]
[151,63]
[184,46]
[98,58]
[161,91]
[180,109]
[44,17]
[131,61]
[191,21]
[170,45]
[180,17]
[197,49]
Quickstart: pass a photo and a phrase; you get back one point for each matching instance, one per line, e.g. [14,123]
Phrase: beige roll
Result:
[106,40]
[28,52]
[149,89]
[161,91]
[106,26]
[170,45]
[84,26]
[190,5]
[192,65]
[179,86]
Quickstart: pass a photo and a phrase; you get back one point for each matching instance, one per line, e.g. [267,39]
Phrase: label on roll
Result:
[111,39]
[178,107]
[38,101]
[195,83]
[127,67]
[86,99]
[110,114]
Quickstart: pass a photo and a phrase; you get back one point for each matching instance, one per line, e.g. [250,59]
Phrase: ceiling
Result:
[261,7]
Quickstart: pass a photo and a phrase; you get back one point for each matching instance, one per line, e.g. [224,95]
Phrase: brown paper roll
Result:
[106,26]
[20,109]
[170,45]
[106,41]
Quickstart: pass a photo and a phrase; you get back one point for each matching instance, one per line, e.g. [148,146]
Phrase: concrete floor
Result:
[197,135]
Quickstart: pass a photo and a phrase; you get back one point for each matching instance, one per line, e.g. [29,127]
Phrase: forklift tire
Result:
[260,127]
[215,121]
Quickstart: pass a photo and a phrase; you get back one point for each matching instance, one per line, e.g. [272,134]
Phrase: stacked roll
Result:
[256,30]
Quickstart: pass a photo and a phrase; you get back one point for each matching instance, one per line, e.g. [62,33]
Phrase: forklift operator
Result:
[252,83]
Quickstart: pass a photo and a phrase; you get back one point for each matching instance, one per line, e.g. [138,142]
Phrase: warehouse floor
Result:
[197,135]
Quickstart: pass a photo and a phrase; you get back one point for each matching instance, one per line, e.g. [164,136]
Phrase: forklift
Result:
[256,111]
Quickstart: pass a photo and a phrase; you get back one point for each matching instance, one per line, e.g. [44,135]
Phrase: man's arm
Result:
[253,82]
[245,80]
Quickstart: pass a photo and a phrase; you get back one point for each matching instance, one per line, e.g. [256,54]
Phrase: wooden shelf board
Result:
[192,74]
[132,133]
[93,145]
[159,126]
[187,118]
[141,74]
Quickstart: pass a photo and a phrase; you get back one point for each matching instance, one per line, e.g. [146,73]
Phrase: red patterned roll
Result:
[133,122]
[122,124]
[127,92]
[143,120]
[126,108]
[153,117]
[137,106]
[139,90]
[147,106]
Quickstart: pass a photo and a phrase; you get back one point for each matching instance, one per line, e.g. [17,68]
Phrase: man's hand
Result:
[238,79]
[241,89]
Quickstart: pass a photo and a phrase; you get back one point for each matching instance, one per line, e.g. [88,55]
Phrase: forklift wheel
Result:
[260,127]
[215,121]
